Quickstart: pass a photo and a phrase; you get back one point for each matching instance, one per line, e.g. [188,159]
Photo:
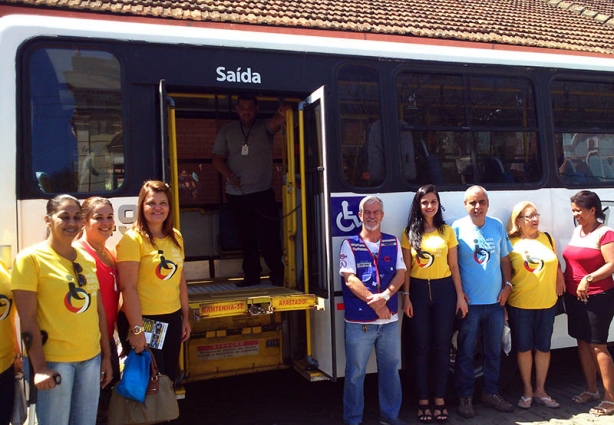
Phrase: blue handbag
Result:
[135,378]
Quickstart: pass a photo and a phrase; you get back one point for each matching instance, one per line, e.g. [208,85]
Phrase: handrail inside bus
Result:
[172,152]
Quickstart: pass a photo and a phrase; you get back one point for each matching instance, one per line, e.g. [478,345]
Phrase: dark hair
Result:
[248,98]
[141,224]
[54,203]
[587,200]
[415,221]
[88,208]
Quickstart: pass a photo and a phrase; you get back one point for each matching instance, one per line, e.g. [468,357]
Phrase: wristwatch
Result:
[136,330]
[385,296]
[589,278]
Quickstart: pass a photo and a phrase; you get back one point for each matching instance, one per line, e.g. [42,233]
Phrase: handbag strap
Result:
[154,371]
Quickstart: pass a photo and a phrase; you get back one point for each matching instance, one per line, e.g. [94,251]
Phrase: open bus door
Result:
[235,330]
[315,226]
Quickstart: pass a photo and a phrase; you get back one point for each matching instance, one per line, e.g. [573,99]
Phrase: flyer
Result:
[155,332]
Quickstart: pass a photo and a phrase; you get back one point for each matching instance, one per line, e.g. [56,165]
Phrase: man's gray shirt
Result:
[254,169]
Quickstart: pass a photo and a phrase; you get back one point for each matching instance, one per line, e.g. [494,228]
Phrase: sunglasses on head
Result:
[80,278]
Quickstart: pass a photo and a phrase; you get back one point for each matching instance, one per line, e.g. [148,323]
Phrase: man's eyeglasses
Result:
[530,217]
[80,278]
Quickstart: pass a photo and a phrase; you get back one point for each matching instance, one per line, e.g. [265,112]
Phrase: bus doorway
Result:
[236,330]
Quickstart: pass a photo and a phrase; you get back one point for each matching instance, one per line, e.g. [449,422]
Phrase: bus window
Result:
[466,129]
[76,120]
[583,115]
[363,150]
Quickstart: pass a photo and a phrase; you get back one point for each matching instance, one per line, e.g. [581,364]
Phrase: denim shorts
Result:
[531,329]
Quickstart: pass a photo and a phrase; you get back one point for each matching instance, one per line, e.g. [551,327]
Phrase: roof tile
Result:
[585,25]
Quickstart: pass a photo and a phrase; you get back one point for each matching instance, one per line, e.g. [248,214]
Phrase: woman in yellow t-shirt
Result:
[58,300]
[150,264]
[10,357]
[536,281]
[432,295]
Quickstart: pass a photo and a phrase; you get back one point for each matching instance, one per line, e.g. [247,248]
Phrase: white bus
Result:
[95,107]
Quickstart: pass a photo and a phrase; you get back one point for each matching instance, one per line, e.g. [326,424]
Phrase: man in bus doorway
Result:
[243,154]
[485,268]
[373,270]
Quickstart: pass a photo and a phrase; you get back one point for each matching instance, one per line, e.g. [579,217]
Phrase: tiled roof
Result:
[580,25]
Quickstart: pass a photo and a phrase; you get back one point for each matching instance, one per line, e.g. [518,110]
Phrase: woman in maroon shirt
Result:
[589,298]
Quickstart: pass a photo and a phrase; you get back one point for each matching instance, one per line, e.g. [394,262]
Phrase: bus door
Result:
[316,237]
[235,330]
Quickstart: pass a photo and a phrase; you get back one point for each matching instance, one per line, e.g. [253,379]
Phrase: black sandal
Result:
[424,413]
[442,418]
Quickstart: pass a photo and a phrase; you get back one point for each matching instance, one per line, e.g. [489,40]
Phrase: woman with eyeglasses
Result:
[589,298]
[432,295]
[537,281]
[59,305]
[98,224]
[150,263]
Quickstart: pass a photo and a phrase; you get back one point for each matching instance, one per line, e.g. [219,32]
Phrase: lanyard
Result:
[246,136]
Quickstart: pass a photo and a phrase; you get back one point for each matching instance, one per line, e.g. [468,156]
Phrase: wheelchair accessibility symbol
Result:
[345,211]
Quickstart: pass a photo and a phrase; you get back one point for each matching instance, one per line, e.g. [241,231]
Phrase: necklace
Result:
[584,234]
[101,251]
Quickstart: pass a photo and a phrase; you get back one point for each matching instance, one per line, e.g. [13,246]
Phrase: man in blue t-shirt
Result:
[483,248]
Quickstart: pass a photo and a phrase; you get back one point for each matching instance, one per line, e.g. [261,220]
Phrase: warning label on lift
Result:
[228,349]
[225,308]
[293,302]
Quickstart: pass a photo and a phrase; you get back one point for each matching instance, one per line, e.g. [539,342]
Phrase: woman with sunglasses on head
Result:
[150,263]
[589,299]
[536,281]
[432,296]
[98,224]
[60,308]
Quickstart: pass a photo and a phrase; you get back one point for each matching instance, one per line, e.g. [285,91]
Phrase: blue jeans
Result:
[75,400]
[491,318]
[359,342]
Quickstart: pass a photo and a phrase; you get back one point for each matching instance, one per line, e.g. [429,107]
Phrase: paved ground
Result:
[285,398]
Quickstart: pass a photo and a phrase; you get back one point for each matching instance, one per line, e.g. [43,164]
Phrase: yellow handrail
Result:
[172,153]
[289,204]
